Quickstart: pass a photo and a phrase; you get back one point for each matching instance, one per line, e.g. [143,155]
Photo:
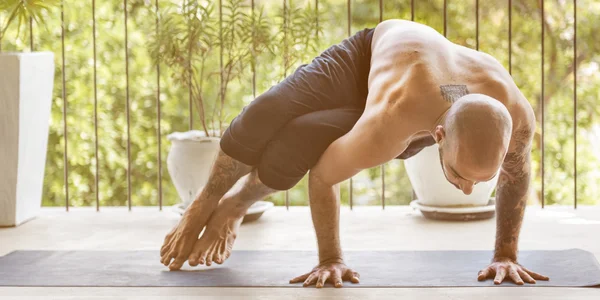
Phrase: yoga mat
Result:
[574,268]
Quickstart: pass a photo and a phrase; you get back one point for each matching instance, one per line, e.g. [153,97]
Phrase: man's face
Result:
[457,174]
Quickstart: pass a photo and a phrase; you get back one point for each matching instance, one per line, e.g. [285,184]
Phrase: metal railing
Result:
[285,3]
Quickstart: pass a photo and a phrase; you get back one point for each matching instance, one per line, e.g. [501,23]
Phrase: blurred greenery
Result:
[292,43]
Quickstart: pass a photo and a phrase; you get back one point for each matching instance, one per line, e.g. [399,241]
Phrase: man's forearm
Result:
[325,211]
[510,207]
[511,196]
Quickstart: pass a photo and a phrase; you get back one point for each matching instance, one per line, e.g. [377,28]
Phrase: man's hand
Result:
[332,272]
[517,273]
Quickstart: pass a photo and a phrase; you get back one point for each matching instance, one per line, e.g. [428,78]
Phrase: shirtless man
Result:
[381,94]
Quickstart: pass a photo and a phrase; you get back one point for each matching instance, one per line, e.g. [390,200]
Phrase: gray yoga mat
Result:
[574,268]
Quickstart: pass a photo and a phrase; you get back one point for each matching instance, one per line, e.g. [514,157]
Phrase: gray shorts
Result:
[284,131]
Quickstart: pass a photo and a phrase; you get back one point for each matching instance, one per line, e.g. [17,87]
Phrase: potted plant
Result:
[188,35]
[437,198]
[26,83]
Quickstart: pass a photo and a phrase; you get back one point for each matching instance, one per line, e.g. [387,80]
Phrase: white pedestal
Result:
[26,82]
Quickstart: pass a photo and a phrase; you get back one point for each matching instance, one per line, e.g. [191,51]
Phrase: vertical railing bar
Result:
[190,98]
[412,18]
[287,192]
[31,33]
[317,20]
[127,110]
[477,25]
[382,165]
[96,176]
[575,101]
[64,96]
[317,42]
[543,108]
[158,116]
[2,36]
[349,17]
[350,189]
[221,78]
[253,55]
[510,37]
[445,17]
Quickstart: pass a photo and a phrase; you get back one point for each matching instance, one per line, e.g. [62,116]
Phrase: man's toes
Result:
[166,260]
[203,256]
[210,254]
[217,258]
[177,263]
[198,256]
[164,249]
[193,261]
[220,253]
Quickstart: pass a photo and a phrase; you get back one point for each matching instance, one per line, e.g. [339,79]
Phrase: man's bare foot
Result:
[180,241]
[216,242]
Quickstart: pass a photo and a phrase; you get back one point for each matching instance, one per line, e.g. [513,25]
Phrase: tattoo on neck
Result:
[451,92]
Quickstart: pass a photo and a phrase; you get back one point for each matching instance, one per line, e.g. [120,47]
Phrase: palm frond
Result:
[21,11]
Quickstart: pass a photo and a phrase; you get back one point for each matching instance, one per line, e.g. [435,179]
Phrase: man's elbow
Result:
[320,176]
[328,176]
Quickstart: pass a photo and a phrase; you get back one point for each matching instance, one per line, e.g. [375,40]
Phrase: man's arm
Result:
[511,199]
[511,194]
[368,144]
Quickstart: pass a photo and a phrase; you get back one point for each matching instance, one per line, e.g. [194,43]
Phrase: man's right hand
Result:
[332,272]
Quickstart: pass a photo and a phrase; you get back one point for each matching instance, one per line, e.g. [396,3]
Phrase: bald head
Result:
[474,138]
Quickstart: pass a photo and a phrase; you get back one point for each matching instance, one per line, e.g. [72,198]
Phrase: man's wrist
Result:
[502,257]
[331,260]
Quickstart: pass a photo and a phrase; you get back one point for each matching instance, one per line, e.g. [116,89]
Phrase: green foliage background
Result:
[289,51]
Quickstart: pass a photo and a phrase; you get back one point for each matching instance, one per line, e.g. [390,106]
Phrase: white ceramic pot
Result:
[26,83]
[189,162]
[433,189]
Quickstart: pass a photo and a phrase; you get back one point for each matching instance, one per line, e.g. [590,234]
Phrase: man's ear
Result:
[439,134]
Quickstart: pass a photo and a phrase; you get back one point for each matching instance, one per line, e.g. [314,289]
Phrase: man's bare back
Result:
[416,74]
[411,86]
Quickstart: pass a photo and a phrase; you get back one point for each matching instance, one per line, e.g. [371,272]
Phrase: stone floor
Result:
[364,228]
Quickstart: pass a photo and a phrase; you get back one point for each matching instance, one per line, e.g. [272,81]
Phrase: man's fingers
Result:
[500,274]
[336,278]
[310,280]
[352,276]
[535,275]
[300,278]
[322,279]
[514,275]
[526,277]
[484,274]
[355,277]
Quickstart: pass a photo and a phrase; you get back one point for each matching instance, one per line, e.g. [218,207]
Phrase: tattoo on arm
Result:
[451,92]
[512,187]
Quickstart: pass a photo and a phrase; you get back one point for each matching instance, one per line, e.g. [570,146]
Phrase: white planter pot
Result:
[433,189]
[189,162]
[26,82]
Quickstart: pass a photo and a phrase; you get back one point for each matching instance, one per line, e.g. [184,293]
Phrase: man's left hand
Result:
[501,267]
